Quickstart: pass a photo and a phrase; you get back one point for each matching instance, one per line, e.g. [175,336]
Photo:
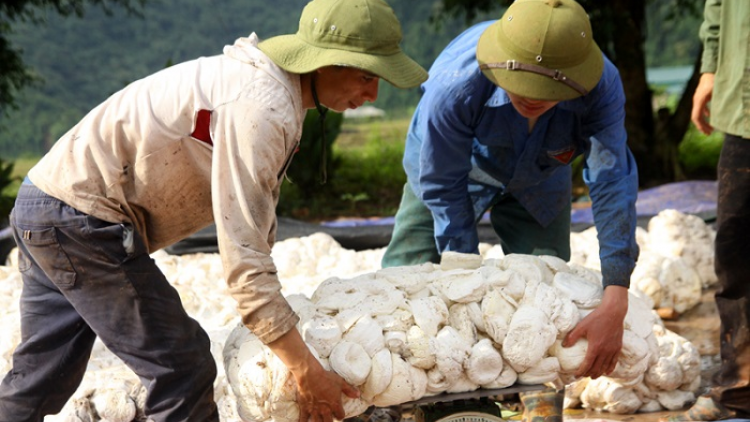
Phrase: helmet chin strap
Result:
[322,119]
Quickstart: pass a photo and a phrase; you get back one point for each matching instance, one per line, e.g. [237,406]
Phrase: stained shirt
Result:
[466,144]
[725,33]
[200,142]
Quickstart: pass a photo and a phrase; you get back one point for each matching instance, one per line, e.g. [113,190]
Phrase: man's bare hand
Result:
[603,328]
[319,392]
[319,396]
[700,113]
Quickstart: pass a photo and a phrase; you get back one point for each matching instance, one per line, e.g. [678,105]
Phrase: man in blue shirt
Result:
[507,107]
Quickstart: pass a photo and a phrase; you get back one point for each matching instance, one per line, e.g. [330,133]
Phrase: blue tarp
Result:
[691,197]
[688,197]
[694,197]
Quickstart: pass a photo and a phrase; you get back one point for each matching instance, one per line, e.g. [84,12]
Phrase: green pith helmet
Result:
[543,50]
[358,33]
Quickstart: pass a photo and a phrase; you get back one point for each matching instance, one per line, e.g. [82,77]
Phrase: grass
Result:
[11,175]
[367,181]
[699,154]
[21,167]
[372,170]
[368,176]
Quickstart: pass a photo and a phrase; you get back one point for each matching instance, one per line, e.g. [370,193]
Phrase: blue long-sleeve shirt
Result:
[466,143]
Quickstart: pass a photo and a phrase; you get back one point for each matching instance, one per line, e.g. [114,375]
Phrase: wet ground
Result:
[700,325]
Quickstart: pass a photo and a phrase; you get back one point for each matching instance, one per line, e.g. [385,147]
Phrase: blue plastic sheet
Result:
[690,197]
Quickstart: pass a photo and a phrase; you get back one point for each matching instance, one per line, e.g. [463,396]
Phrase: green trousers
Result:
[413,239]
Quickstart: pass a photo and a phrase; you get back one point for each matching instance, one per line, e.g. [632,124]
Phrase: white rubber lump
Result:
[675,264]
[459,342]
[465,324]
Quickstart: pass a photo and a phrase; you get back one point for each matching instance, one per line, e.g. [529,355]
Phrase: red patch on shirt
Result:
[563,156]
[202,130]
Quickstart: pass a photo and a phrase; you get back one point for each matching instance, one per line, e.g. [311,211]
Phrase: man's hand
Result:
[702,96]
[319,392]
[319,395]
[603,328]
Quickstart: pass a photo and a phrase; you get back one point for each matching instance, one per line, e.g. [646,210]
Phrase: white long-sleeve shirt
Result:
[144,157]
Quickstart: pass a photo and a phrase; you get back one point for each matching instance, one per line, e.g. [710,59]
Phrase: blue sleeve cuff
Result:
[616,270]
[467,242]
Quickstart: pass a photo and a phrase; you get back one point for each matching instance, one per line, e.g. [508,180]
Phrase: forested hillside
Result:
[82,61]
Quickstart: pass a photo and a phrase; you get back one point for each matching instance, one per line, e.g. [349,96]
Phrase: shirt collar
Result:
[498,98]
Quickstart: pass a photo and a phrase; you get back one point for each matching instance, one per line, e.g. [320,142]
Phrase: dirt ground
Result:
[700,325]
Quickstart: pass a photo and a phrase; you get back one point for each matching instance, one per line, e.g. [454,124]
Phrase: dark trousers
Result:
[732,259]
[85,278]
[413,239]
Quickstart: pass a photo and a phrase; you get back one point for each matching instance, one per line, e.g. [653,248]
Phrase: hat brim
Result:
[531,85]
[294,55]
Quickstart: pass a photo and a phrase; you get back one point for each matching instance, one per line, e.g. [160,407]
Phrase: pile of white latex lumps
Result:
[676,259]
[406,333]
[111,392]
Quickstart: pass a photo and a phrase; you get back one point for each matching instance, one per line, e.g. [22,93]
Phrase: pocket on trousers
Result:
[44,248]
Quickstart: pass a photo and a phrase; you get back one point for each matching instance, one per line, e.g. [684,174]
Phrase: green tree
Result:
[621,28]
[14,74]
[6,200]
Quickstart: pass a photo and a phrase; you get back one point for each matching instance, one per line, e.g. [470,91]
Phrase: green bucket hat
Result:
[358,33]
[542,50]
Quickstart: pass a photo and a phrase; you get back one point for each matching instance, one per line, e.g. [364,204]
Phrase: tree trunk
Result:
[654,140]
[629,57]
[671,127]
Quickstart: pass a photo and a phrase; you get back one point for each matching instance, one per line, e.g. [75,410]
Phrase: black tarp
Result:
[358,238]
[691,197]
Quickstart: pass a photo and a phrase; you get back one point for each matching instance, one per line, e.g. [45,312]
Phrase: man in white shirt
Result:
[205,141]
